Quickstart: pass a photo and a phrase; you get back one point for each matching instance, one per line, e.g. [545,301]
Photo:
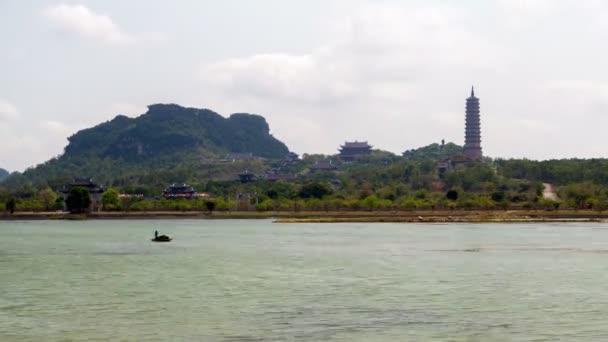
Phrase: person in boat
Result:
[156,234]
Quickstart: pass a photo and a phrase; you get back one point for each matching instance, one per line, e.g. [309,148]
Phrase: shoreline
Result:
[429,216]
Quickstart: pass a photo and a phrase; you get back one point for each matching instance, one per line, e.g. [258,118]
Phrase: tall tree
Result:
[11,205]
[110,200]
[78,200]
[315,190]
[210,206]
[47,197]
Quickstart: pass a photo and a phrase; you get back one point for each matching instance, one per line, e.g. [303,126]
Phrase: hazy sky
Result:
[395,73]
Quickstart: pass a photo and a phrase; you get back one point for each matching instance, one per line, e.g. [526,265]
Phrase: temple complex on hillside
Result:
[472,139]
[354,150]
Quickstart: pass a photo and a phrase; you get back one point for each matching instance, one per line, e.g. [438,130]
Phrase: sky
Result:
[394,73]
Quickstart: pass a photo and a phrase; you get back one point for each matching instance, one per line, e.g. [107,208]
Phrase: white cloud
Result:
[36,139]
[80,21]
[125,108]
[527,7]
[398,76]
[380,51]
[8,111]
[32,142]
[299,78]
[370,79]
[577,100]
[393,72]
[56,128]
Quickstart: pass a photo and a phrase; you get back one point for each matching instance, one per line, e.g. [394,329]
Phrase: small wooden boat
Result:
[161,238]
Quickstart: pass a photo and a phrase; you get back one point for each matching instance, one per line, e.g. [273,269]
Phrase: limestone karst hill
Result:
[173,129]
[167,137]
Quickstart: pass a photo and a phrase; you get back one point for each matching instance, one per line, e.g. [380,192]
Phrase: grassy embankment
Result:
[340,216]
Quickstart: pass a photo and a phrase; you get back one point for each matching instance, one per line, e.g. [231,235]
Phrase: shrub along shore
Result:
[429,216]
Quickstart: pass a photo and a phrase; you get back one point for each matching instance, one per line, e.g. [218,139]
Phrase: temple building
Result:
[353,150]
[323,165]
[246,177]
[175,191]
[472,140]
[95,191]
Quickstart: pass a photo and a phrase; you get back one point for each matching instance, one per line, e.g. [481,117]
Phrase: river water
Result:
[240,280]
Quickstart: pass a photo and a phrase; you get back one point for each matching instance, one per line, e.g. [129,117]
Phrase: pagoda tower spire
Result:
[472,134]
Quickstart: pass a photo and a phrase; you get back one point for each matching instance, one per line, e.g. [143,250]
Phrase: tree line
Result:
[381,181]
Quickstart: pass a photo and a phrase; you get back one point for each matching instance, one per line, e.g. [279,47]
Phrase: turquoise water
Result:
[259,281]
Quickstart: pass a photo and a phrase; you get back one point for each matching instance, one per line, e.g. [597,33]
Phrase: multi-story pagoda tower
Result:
[472,134]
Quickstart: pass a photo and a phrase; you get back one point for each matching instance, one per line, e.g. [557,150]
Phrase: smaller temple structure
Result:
[323,165]
[175,191]
[353,150]
[246,177]
[95,190]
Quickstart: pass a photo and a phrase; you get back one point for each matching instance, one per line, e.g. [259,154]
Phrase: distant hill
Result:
[168,139]
[172,129]
[3,174]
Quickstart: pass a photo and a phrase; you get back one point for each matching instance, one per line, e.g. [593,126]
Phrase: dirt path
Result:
[549,192]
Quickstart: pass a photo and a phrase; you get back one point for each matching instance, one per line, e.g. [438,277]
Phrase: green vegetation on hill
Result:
[434,151]
[169,129]
[561,172]
[172,144]
[166,144]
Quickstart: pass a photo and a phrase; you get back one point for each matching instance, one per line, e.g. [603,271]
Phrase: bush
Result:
[210,205]
[11,205]
[315,190]
[337,203]
[498,196]
[452,195]
[354,204]
[409,203]
[142,205]
[421,194]
[110,200]
[371,202]
[548,204]
[313,204]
